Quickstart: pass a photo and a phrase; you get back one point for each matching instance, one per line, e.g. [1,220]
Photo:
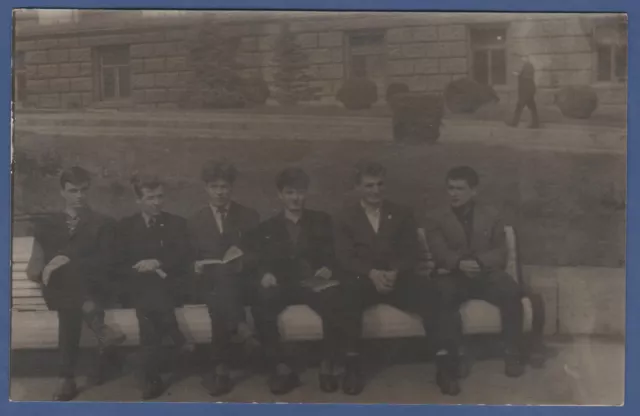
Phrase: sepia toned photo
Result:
[318,207]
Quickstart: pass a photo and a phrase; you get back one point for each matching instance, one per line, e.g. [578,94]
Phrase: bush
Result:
[358,94]
[466,96]
[255,91]
[417,117]
[577,101]
[395,88]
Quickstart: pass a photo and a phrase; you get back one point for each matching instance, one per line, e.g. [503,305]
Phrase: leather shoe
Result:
[328,383]
[218,384]
[283,383]
[352,382]
[66,390]
[513,366]
[447,372]
[153,388]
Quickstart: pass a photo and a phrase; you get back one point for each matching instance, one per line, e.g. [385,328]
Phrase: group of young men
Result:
[368,253]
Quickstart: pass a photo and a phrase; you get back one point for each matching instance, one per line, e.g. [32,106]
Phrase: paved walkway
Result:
[242,126]
[583,372]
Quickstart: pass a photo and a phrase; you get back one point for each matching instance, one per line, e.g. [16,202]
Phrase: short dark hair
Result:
[465,173]
[140,181]
[292,177]
[219,169]
[369,168]
[75,176]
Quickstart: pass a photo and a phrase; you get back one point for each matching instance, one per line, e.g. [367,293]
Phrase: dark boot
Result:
[513,365]
[152,388]
[219,382]
[66,390]
[283,380]
[353,381]
[447,370]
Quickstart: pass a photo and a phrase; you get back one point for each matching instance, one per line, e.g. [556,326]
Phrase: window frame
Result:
[116,67]
[612,78]
[375,49]
[488,50]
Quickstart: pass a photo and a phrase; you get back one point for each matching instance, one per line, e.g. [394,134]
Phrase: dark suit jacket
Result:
[359,249]
[274,252]
[166,242]
[90,249]
[208,243]
[448,243]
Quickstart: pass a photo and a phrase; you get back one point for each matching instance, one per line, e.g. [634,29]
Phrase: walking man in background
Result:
[72,259]
[526,94]
[153,259]
[216,233]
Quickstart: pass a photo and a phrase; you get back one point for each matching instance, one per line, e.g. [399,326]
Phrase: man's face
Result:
[371,189]
[219,192]
[292,198]
[151,200]
[460,192]
[75,196]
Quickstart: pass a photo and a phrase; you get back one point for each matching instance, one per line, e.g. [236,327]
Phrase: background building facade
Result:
[140,59]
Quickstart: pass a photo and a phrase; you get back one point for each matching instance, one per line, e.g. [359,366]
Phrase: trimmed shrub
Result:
[358,94]
[577,101]
[255,91]
[466,95]
[417,117]
[395,88]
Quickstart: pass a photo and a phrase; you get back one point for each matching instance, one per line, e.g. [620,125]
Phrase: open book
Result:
[318,284]
[232,253]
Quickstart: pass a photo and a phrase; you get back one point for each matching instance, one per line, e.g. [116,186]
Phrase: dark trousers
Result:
[69,331]
[526,101]
[331,304]
[497,288]
[154,326]
[410,294]
[225,299]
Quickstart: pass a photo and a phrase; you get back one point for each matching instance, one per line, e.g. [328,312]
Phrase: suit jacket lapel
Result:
[479,220]
[455,228]
[210,221]
[360,218]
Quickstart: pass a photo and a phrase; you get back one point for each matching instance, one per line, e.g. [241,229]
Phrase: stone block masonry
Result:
[425,55]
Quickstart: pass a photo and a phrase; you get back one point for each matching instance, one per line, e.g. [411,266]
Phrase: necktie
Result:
[152,222]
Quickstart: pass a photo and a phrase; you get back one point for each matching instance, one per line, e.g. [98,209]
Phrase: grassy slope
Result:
[568,207]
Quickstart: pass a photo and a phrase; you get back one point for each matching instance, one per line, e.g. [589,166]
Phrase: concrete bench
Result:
[33,326]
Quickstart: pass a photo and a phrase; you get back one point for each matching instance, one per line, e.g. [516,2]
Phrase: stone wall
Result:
[427,58]
[61,72]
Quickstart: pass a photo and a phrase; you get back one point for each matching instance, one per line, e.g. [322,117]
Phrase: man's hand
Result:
[324,272]
[58,261]
[380,281]
[198,267]
[470,267]
[268,280]
[149,265]
[390,277]
[55,263]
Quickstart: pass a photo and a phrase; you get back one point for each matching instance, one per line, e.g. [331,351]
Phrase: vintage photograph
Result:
[318,207]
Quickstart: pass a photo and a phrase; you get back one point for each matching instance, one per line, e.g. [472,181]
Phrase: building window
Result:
[367,56]
[611,53]
[114,73]
[19,78]
[489,55]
